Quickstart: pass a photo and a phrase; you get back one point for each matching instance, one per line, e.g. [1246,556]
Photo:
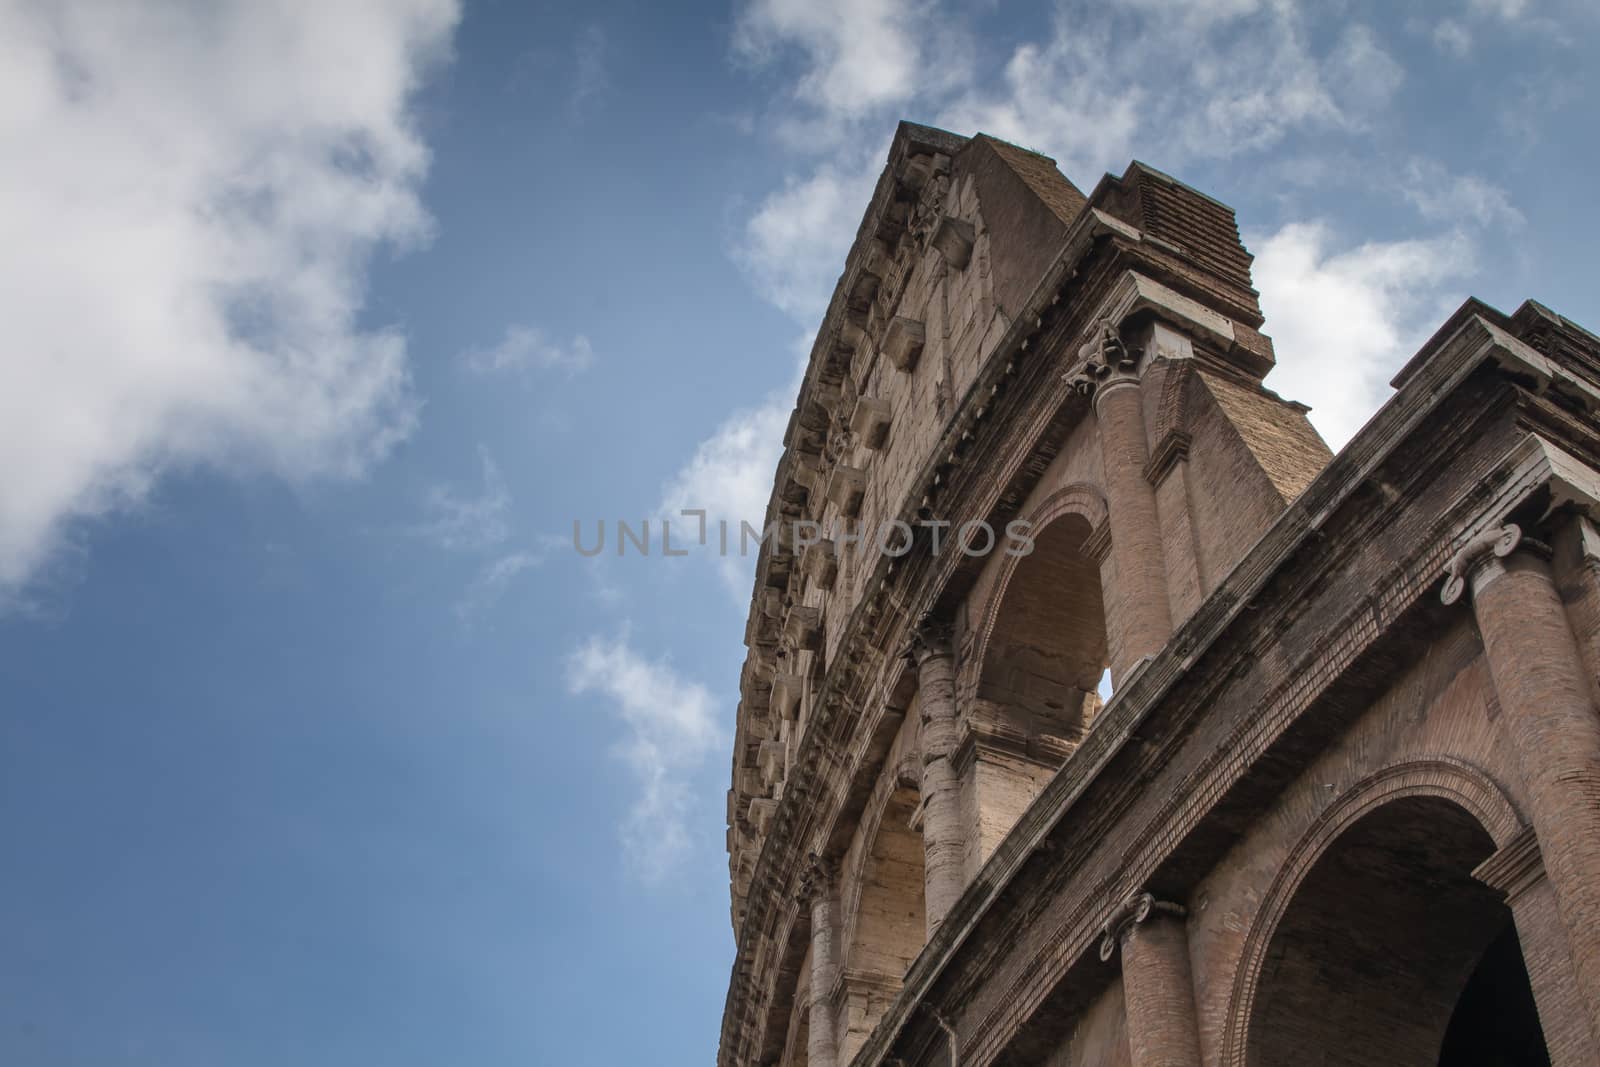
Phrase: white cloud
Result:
[794,246]
[671,727]
[460,521]
[1057,98]
[1235,76]
[190,196]
[860,55]
[1444,197]
[730,477]
[526,349]
[1344,321]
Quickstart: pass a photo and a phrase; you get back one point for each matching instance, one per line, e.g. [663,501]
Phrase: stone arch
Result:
[883,905]
[1041,646]
[1421,826]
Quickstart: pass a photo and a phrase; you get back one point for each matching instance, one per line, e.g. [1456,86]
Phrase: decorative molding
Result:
[1173,449]
[1516,868]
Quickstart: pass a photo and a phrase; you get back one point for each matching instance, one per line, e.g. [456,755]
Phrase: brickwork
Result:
[1354,731]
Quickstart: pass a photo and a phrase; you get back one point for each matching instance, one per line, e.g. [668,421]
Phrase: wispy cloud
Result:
[857,55]
[1345,320]
[468,521]
[185,173]
[525,349]
[592,76]
[1458,199]
[1237,76]
[495,577]
[730,475]
[670,726]
[795,243]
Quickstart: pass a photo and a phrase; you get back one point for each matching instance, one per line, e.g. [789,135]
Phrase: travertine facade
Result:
[1343,806]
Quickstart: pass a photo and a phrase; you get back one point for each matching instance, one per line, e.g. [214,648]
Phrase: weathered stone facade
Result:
[1343,806]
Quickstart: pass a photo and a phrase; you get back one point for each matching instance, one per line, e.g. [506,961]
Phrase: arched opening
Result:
[1390,952]
[889,923]
[1045,660]
[886,931]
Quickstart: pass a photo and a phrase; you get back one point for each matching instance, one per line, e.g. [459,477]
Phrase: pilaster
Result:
[943,843]
[1550,723]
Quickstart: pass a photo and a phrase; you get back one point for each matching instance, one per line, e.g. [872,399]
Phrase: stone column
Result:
[1549,721]
[1157,990]
[820,887]
[1517,870]
[943,843]
[1138,603]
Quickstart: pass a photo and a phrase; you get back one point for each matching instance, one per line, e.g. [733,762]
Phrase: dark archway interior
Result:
[1496,1023]
[1385,937]
[1047,650]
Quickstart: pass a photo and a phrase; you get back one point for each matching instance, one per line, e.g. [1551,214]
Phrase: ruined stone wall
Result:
[944,845]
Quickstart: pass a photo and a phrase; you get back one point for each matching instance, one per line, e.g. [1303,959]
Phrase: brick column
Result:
[1517,870]
[1138,604]
[1549,720]
[1157,990]
[943,842]
[822,1043]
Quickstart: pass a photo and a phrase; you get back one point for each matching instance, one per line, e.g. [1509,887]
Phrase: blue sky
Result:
[319,744]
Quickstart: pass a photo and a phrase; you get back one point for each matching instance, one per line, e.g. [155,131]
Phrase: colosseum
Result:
[1243,752]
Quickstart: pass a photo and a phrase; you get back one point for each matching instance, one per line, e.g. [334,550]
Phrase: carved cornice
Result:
[1130,913]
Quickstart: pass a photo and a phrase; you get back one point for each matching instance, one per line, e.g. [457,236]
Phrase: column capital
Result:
[1104,362]
[1130,913]
[930,636]
[1479,561]
[816,880]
